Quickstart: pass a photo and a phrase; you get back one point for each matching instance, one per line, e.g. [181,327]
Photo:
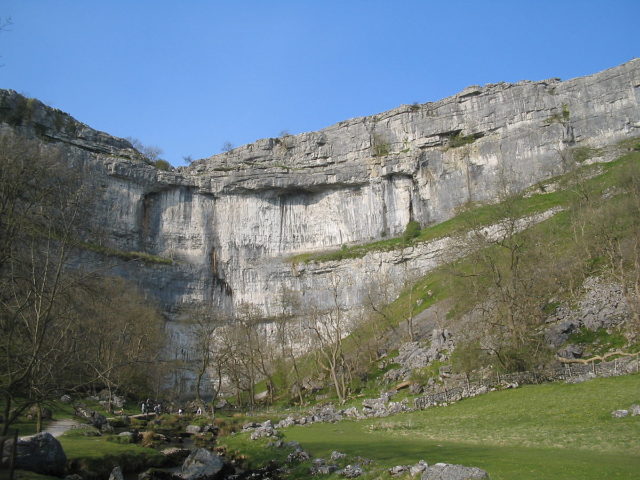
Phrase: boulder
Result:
[44,412]
[635,410]
[320,467]
[264,431]
[447,471]
[286,422]
[116,474]
[619,413]
[419,467]
[193,429]
[65,399]
[335,455]
[298,456]
[94,418]
[201,464]
[41,453]
[351,471]
[571,351]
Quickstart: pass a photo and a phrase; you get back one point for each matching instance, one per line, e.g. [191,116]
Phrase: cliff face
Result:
[231,221]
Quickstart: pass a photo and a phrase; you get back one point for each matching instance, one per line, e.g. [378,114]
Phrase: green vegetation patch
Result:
[582,154]
[124,255]
[560,117]
[551,431]
[598,341]
[458,140]
[96,456]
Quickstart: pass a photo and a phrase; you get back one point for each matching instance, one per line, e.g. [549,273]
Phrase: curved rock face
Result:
[231,221]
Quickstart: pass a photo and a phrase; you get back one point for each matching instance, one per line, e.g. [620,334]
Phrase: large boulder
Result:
[116,474]
[447,471]
[201,464]
[41,453]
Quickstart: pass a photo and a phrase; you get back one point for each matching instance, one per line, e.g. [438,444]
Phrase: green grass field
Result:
[551,431]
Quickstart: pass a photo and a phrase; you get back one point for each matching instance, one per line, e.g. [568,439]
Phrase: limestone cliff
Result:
[230,222]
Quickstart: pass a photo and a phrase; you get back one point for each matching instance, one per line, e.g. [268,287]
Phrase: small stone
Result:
[619,413]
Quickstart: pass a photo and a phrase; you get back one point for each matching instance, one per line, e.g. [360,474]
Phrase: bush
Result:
[162,165]
[411,231]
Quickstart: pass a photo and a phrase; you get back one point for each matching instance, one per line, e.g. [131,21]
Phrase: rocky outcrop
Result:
[229,223]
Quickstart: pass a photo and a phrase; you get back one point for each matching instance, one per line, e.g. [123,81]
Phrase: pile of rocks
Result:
[261,430]
[413,355]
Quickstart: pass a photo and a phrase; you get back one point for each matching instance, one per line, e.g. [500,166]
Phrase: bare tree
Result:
[328,327]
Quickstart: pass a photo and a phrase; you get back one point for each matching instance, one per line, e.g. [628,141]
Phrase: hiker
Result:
[143,408]
[199,411]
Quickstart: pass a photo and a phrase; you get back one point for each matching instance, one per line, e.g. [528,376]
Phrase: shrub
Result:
[162,165]
[411,231]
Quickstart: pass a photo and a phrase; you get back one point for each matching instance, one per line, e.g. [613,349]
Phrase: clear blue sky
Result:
[189,75]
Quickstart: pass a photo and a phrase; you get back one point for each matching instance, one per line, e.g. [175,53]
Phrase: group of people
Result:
[148,406]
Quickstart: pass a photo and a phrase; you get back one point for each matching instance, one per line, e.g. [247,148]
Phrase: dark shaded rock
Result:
[157,474]
[571,351]
[175,455]
[116,474]
[41,453]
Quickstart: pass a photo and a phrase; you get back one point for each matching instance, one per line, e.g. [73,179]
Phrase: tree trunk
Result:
[38,418]
[5,418]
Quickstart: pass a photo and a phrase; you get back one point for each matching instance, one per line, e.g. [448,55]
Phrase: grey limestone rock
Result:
[298,456]
[419,467]
[351,471]
[116,474]
[335,455]
[201,464]
[620,413]
[193,429]
[446,471]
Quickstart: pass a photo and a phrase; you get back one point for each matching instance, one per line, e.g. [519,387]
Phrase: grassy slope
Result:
[552,431]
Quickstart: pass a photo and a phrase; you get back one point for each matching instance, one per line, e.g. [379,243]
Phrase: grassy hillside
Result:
[553,431]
